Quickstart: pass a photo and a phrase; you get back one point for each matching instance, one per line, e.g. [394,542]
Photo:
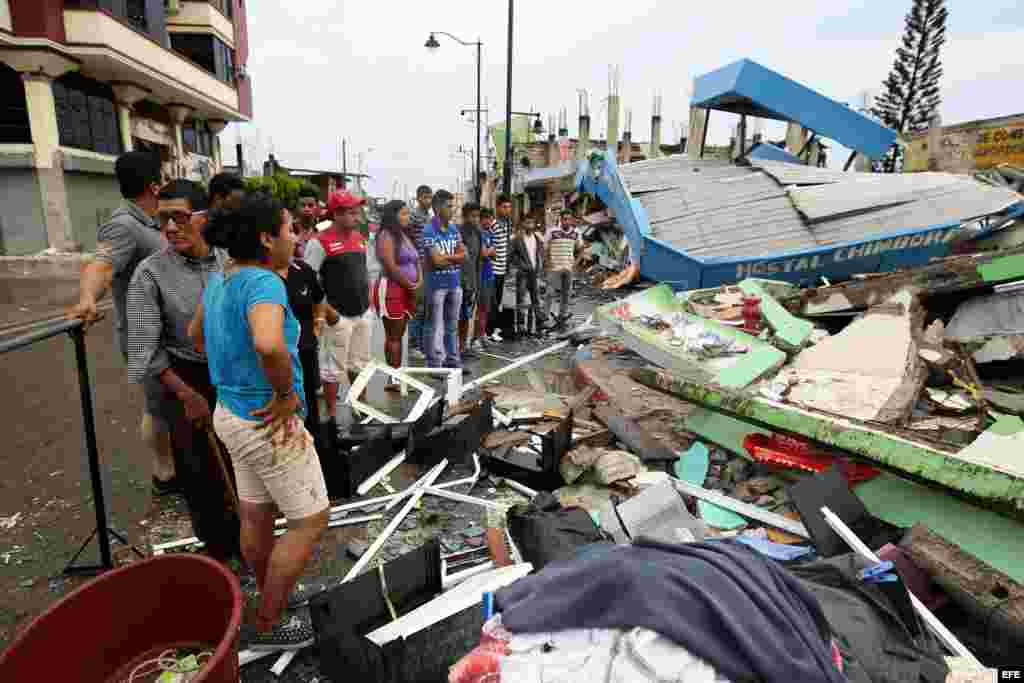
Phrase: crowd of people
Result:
[233,312]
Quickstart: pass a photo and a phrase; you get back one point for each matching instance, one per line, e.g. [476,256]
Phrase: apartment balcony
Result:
[118,48]
[201,16]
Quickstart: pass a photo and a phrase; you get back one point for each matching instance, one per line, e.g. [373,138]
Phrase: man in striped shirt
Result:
[502,230]
[162,300]
[420,219]
[561,248]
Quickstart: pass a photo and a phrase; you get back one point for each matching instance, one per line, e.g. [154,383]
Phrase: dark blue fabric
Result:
[745,615]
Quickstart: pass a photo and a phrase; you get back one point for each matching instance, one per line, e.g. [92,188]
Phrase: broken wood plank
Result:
[959,571]
[748,511]
[634,437]
[505,438]
[618,388]
[596,440]
[581,398]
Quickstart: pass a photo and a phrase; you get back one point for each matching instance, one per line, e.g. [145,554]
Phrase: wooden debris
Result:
[633,436]
[505,438]
[958,571]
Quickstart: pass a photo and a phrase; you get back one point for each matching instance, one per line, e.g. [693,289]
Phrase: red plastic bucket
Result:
[103,630]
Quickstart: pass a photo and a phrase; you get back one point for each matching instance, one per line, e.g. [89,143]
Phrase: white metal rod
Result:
[458,577]
[452,495]
[525,490]
[194,542]
[749,511]
[384,471]
[283,661]
[395,521]
[512,366]
[417,485]
[937,627]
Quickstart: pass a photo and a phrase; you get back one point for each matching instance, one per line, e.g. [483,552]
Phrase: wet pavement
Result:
[45,501]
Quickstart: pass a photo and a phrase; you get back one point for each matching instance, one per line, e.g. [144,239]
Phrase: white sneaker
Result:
[496,336]
[416,354]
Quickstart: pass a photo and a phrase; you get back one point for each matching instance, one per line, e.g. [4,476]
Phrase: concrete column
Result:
[126,95]
[178,112]
[42,116]
[655,150]
[583,144]
[216,126]
[614,107]
[698,118]
[796,136]
[934,142]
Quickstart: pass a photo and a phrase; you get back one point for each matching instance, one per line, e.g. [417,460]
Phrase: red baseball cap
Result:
[343,200]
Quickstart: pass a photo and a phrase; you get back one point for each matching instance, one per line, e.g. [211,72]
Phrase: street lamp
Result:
[432,45]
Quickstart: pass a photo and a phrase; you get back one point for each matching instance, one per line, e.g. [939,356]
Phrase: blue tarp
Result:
[746,87]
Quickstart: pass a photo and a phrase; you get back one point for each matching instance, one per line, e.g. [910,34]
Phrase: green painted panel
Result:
[1002,268]
[761,358]
[720,429]
[1000,489]
[791,330]
[989,536]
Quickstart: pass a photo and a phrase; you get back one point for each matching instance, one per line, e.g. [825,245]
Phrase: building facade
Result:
[86,80]
[966,147]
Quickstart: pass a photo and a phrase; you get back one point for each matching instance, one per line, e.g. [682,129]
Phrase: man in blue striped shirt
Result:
[443,245]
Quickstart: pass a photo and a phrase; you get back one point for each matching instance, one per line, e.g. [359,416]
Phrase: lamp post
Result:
[432,44]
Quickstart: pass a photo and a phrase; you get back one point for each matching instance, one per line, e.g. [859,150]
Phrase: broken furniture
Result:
[527,466]
[457,442]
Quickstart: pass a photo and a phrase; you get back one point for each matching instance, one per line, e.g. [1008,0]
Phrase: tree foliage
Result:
[910,96]
[280,186]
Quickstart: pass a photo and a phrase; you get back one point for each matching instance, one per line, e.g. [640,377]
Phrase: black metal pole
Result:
[507,172]
[479,185]
[92,451]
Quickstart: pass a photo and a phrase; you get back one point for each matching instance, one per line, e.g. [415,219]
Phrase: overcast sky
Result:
[323,69]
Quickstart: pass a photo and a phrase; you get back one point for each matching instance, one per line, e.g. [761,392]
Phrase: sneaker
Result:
[167,487]
[496,336]
[293,632]
[416,354]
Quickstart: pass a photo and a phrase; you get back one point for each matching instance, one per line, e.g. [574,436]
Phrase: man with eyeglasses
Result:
[122,243]
[163,296]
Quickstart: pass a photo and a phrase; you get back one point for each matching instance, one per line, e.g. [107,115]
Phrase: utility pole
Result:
[507,172]
[344,158]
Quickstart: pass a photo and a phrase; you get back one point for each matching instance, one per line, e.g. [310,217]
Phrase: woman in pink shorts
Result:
[251,338]
[394,298]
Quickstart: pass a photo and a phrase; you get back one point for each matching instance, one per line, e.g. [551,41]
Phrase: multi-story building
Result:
[85,80]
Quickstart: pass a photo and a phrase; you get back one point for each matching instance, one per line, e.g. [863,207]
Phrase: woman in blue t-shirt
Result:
[251,340]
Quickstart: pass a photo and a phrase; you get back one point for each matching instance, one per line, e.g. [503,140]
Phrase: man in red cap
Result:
[338,255]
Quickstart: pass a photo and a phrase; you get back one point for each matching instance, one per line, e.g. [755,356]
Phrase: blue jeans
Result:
[442,339]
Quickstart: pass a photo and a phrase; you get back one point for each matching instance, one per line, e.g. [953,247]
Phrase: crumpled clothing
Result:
[697,338]
[588,655]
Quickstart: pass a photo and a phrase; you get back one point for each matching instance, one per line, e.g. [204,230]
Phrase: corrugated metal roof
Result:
[716,209]
[799,174]
[536,176]
[665,173]
[964,196]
